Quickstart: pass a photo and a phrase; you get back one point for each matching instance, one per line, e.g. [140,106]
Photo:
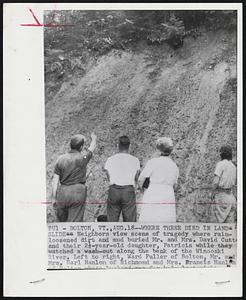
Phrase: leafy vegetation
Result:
[100,31]
[88,34]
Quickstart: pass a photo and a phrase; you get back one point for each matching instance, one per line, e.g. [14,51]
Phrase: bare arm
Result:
[137,176]
[176,185]
[141,180]
[93,142]
[144,174]
[215,182]
[107,173]
[54,183]
[214,185]
[136,179]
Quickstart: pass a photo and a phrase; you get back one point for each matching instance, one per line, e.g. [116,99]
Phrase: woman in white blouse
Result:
[224,207]
[158,203]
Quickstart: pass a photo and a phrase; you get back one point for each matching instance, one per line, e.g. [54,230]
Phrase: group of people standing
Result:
[158,180]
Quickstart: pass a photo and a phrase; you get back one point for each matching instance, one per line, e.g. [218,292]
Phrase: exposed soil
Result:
[188,94]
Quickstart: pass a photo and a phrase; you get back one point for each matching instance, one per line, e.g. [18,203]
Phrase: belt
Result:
[121,186]
[73,183]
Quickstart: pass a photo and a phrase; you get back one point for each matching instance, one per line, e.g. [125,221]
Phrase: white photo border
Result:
[25,228]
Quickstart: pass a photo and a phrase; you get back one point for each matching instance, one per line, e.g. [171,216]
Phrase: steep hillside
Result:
[188,94]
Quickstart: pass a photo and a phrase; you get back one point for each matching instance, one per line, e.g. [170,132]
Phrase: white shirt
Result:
[161,170]
[227,173]
[122,168]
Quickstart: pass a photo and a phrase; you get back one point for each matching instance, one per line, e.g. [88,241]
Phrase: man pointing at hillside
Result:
[68,184]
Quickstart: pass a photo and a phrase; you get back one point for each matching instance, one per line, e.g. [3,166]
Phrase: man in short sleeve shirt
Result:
[68,184]
[122,171]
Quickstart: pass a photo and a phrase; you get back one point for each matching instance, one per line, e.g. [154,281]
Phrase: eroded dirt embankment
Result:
[187,94]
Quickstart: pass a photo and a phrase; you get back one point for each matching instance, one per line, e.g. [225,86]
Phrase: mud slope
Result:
[188,94]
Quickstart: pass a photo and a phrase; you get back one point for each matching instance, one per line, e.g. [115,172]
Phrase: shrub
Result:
[100,31]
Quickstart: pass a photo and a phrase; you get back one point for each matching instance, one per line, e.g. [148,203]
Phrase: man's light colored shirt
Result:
[227,173]
[122,168]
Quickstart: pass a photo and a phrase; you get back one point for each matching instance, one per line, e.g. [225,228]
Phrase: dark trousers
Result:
[121,199]
[70,202]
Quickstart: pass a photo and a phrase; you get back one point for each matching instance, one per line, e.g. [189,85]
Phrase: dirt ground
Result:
[188,94]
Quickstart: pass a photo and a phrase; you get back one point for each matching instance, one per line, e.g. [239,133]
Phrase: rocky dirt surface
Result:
[188,94]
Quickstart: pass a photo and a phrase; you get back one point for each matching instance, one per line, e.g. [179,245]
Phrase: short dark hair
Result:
[226,152]
[77,141]
[124,142]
